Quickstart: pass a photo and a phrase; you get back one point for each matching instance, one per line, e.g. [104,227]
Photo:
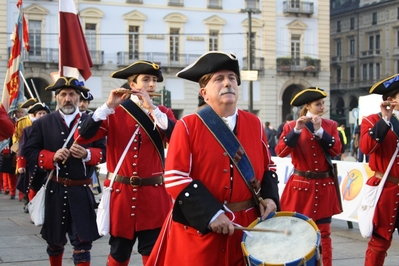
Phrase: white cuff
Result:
[319,132]
[102,112]
[88,157]
[215,216]
[297,131]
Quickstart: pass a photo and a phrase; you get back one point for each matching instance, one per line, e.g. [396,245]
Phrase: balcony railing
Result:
[51,55]
[163,59]
[370,53]
[336,59]
[287,64]
[257,63]
[298,7]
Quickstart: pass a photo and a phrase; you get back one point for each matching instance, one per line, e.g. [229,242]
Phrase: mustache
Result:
[226,91]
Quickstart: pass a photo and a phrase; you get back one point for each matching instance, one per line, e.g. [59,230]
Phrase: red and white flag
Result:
[75,60]
[13,90]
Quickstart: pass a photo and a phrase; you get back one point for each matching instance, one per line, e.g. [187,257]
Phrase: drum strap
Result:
[147,124]
[231,145]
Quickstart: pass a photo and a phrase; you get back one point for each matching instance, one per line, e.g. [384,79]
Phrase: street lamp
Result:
[250,11]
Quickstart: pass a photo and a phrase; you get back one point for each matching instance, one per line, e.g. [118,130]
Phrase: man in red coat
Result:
[379,138]
[212,192]
[311,141]
[139,201]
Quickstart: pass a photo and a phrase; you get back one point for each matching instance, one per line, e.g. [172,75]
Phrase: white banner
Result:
[351,176]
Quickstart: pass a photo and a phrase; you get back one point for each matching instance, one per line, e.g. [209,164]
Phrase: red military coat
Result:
[380,142]
[316,198]
[195,155]
[133,208]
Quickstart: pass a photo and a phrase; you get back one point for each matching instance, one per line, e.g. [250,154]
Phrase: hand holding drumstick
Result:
[387,108]
[315,119]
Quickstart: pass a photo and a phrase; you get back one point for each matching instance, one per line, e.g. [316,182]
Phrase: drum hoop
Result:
[307,257]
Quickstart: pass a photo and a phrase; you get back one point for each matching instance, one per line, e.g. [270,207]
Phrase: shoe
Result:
[7,192]
[12,197]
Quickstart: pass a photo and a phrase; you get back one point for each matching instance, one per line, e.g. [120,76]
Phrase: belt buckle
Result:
[64,181]
[308,174]
[133,179]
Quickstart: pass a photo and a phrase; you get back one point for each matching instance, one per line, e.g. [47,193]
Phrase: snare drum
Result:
[300,247]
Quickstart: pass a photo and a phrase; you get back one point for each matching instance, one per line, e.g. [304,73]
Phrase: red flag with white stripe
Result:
[75,60]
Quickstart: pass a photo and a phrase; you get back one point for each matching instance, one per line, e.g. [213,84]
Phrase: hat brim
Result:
[67,83]
[28,103]
[137,68]
[307,96]
[210,62]
[38,107]
[386,85]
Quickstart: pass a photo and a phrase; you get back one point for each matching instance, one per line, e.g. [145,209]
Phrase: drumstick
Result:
[131,92]
[264,230]
[63,162]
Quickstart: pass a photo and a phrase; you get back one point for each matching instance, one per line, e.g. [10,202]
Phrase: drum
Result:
[300,247]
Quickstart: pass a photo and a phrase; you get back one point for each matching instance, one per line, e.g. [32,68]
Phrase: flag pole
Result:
[26,84]
[34,87]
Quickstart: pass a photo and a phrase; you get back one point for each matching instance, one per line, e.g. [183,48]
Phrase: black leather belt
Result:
[71,183]
[138,181]
[313,175]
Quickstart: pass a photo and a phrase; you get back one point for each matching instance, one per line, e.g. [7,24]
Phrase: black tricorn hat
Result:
[86,96]
[28,103]
[307,96]
[210,62]
[386,85]
[38,107]
[137,68]
[65,83]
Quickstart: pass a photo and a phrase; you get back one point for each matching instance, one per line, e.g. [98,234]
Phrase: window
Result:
[352,74]
[352,47]
[296,48]
[214,4]
[339,48]
[371,71]
[377,71]
[175,2]
[133,42]
[377,42]
[90,34]
[365,72]
[338,75]
[374,18]
[252,4]
[371,42]
[338,26]
[35,34]
[294,4]
[397,38]
[213,40]
[174,44]
[352,23]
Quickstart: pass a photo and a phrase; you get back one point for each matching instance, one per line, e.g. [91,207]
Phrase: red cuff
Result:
[45,159]
[21,162]
[96,156]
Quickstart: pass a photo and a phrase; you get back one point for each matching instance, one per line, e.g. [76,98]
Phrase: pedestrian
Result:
[139,201]
[380,136]
[312,141]
[211,193]
[288,118]
[84,102]
[28,171]
[7,170]
[69,201]
[271,135]
[361,156]
[344,141]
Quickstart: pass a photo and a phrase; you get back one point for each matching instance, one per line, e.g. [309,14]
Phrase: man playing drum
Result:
[210,156]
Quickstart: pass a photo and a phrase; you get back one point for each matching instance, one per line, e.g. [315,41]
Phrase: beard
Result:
[68,108]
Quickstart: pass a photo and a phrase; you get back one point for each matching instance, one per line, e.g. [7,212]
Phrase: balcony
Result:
[337,59]
[298,8]
[305,65]
[51,56]
[257,64]
[162,59]
[370,53]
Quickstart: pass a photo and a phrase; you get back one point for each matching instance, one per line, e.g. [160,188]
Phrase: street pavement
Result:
[21,244]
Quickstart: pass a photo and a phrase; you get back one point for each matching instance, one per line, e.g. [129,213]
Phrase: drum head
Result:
[280,248]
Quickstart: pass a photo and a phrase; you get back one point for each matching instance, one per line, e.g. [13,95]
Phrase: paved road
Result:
[21,244]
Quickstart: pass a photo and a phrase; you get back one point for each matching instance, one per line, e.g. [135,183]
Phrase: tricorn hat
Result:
[211,62]
[86,96]
[28,103]
[65,83]
[38,107]
[386,85]
[307,96]
[137,68]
